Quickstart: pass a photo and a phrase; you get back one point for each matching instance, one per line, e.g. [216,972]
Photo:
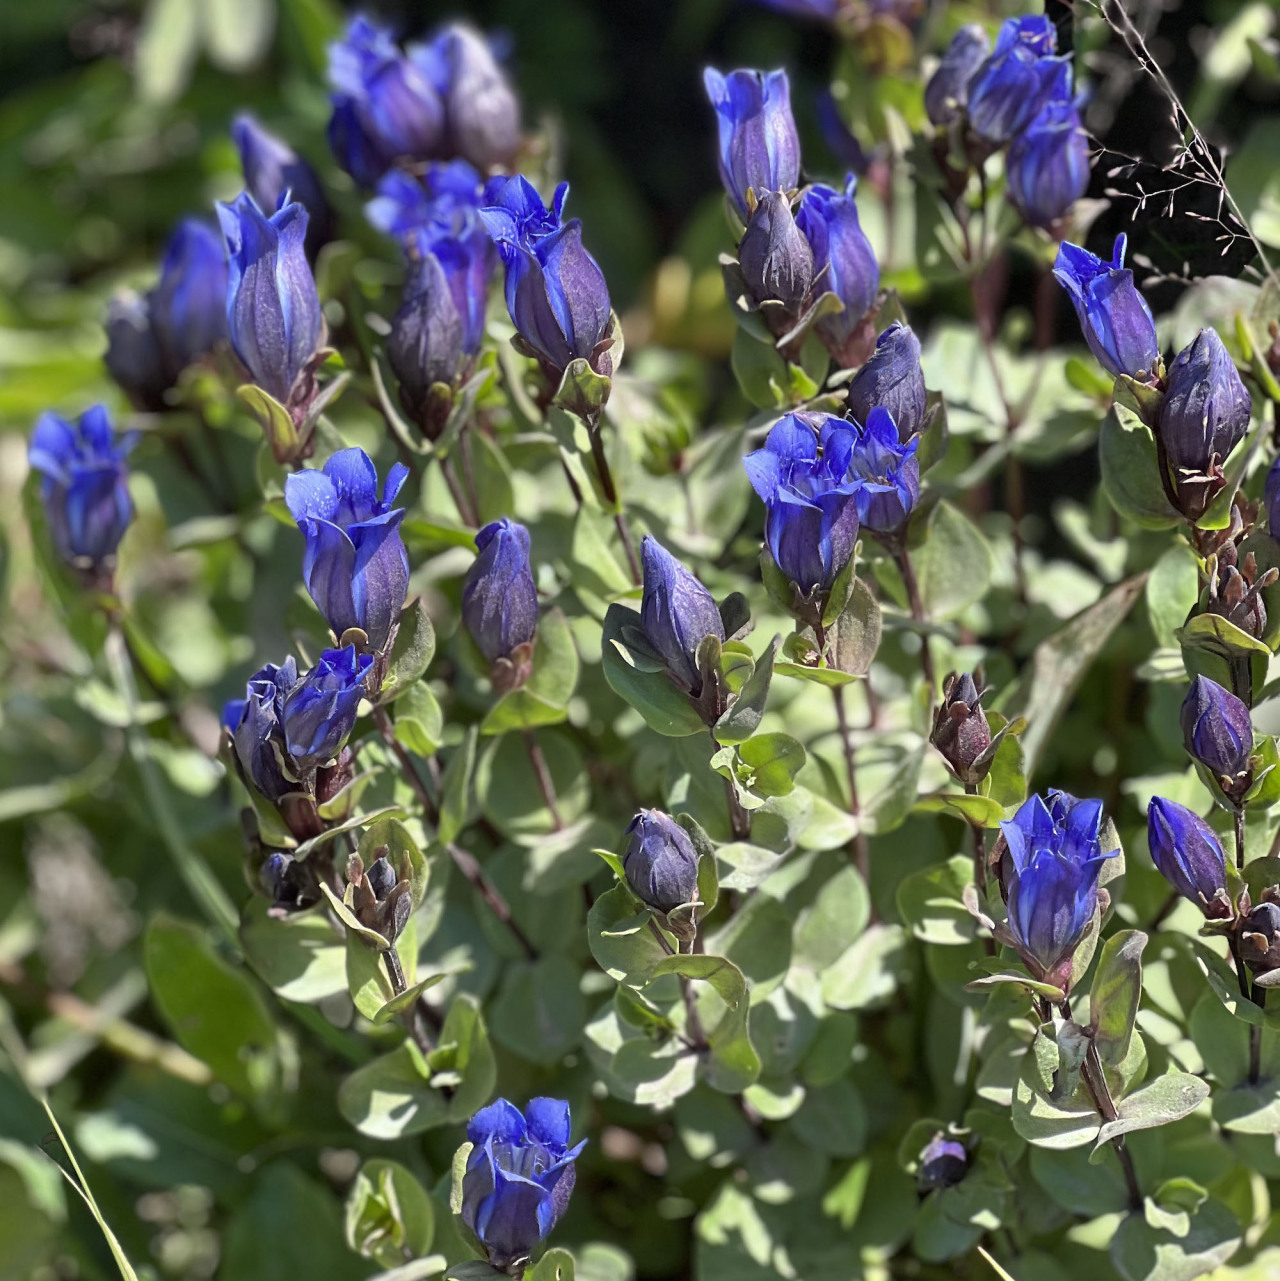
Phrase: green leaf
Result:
[412,652]
[539,1011]
[582,391]
[168,43]
[1172,591]
[855,637]
[745,713]
[455,789]
[301,957]
[1141,1252]
[214,1012]
[769,764]
[651,692]
[930,902]
[273,418]
[367,976]
[953,566]
[388,1214]
[1131,471]
[1115,994]
[544,698]
[1168,1098]
[761,372]
[982,811]
[620,937]
[404,1002]
[868,973]
[555,1265]
[419,723]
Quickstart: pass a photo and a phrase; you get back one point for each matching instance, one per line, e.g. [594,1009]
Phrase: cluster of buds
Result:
[1235,586]
[381,895]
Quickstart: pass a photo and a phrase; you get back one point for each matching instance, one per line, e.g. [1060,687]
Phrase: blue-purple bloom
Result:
[499,597]
[84,484]
[843,261]
[947,93]
[1186,851]
[1217,730]
[385,107]
[355,565]
[273,170]
[803,477]
[1114,316]
[1051,877]
[518,1178]
[889,472]
[893,379]
[677,613]
[444,201]
[776,260]
[1048,162]
[274,319]
[943,1163]
[759,146]
[556,293]
[1008,90]
[153,338]
[660,863]
[256,723]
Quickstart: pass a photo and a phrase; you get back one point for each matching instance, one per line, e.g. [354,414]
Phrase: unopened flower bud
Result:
[892,378]
[943,1163]
[1218,732]
[776,260]
[947,92]
[677,613]
[500,601]
[1186,851]
[1260,938]
[960,730]
[661,863]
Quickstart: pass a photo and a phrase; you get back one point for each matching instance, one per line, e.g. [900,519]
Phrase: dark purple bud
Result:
[1186,851]
[381,877]
[426,344]
[661,863]
[960,730]
[1259,936]
[775,258]
[759,146]
[893,379]
[677,613]
[499,598]
[1204,415]
[272,170]
[943,1163]
[133,356]
[1048,162]
[275,875]
[947,93]
[1217,731]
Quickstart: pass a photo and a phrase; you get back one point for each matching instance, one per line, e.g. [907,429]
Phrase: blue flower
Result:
[825,9]
[443,202]
[843,261]
[889,471]
[273,170]
[1008,90]
[320,711]
[1271,499]
[151,340]
[1114,316]
[84,485]
[1050,878]
[892,379]
[482,112]
[385,107]
[776,261]
[355,565]
[273,311]
[1203,417]
[1048,163]
[1186,851]
[556,292]
[499,598]
[660,862]
[802,475]
[256,725]
[1217,731]
[759,146]
[677,613]
[519,1177]
[947,92]
[943,1163]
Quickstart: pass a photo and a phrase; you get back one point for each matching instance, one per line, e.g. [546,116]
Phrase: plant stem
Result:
[1250,994]
[1239,817]
[905,568]
[861,851]
[463,860]
[399,985]
[739,820]
[196,874]
[979,849]
[610,492]
[1096,1082]
[542,773]
[692,1019]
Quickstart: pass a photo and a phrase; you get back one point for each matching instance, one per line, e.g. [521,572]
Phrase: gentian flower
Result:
[1008,90]
[482,112]
[889,471]
[843,261]
[1114,316]
[1048,162]
[943,1163]
[355,565]
[661,863]
[1186,851]
[556,292]
[152,339]
[385,107]
[499,598]
[1217,731]
[273,170]
[84,485]
[1203,417]
[893,380]
[519,1177]
[320,711]
[803,477]
[776,261]
[444,201]
[273,311]
[947,93]
[677,613]
[1050,878]
[759,146]
[256,723]
[960,729]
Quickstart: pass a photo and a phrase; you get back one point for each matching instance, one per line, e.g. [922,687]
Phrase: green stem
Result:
[196,874]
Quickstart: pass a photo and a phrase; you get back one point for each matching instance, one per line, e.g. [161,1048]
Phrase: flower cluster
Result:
[1017,95]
